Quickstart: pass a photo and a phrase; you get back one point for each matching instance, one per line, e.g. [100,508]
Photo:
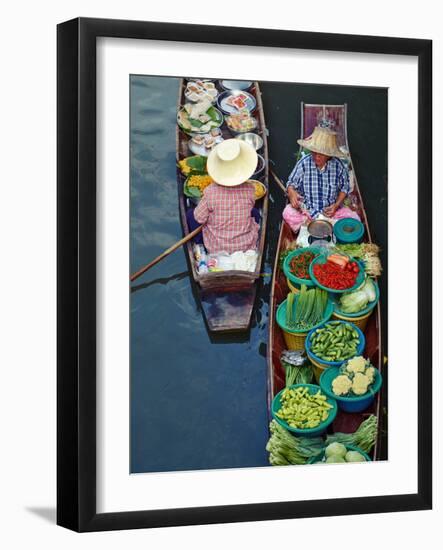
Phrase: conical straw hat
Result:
[232,162]
[322,140]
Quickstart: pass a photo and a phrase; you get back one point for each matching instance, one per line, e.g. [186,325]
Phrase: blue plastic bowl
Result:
[287,268]
[351,404]
[322,259]
[360,347]
[307,432]
[362,312]
[321,456]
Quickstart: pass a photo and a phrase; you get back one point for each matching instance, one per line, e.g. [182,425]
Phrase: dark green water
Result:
[198,402]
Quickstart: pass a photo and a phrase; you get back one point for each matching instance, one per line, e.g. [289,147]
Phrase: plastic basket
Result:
[296,281]
[349,230]
[354,403]
[368,309]
[359,322]
[319,458]
[360,277]
[307,432]
[295,339]
[319,365]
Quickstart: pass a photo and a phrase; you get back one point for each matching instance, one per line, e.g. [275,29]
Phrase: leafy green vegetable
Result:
[307,309]
[285,449]
[364,438]
[195,122]
[197,163]
[353,302]
[213,114]
[334,459]
[192,191]
[335,449]
[369,288]
[297,374]
[354,456]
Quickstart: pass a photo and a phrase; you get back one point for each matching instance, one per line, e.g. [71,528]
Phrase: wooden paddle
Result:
[188,237]
[278,181]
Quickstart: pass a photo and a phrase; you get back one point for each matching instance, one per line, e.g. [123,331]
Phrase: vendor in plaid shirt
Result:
[319,182]
[226,210]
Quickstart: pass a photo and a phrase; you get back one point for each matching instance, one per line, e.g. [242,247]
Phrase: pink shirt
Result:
[226,215]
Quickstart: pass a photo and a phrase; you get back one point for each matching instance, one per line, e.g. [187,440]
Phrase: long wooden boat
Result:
[227,297]
[336,117]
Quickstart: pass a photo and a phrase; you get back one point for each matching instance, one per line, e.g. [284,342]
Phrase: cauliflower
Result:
[356,364]
[370,373]
[341,385]
[360,383]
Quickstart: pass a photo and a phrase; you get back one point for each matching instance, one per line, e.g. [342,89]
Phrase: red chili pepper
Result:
[334,277]
[300,264]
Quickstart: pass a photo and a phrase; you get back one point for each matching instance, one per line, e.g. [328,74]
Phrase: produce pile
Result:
[368,253]
[302,409]
[337,273]
[335,341]
[285,448]
[364,438]
[200,182]
[300,264]
[357,300]
[306,309]
[297,368]
[193,165]
[337,452]
[356,378]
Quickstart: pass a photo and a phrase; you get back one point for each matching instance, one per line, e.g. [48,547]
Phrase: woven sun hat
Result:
[232,162]
[322,140]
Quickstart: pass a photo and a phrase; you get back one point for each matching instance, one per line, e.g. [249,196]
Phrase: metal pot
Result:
[320,230]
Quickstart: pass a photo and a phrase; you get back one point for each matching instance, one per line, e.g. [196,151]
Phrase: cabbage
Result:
[354,301]
[335,449]
[369,288]
[354,456]
[334,459]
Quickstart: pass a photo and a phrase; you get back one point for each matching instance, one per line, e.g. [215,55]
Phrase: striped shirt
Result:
[319,188]
[225,213]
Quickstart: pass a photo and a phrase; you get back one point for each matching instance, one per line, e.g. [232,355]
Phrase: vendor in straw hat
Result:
[226,210]
[319,182]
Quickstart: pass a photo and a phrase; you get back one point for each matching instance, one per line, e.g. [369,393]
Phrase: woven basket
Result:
[295,341]
[318,368]
[360,322]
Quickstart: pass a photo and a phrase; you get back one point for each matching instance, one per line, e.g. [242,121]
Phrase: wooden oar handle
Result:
[278,181]
[188,237]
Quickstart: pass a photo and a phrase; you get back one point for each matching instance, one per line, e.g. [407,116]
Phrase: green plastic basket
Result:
[322,259]
[287,268]
[281,316]
[305,432]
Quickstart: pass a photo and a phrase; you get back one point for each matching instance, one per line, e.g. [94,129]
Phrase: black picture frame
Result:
[76,265]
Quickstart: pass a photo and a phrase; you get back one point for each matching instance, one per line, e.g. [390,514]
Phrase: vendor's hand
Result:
[294,198]
[329,211]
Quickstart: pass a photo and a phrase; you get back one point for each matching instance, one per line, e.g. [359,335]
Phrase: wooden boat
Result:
[227,297]
[336,116]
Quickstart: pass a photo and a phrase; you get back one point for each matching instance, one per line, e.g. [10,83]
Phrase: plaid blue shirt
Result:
[319,188]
